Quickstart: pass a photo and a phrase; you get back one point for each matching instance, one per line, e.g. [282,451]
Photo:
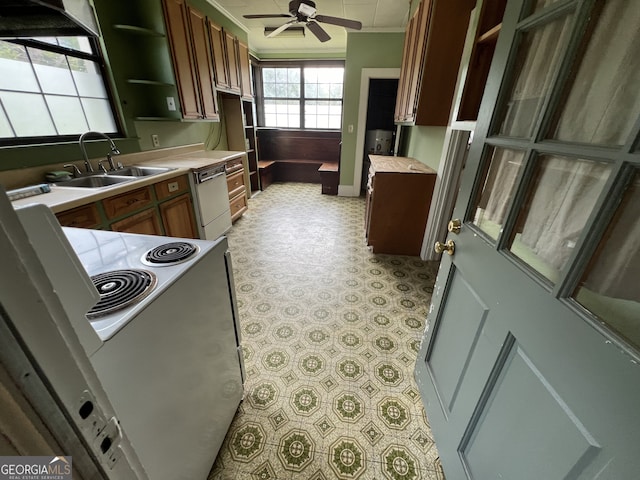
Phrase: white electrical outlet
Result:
[171,104]
[155,140]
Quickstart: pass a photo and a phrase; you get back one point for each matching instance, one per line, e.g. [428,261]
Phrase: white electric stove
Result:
[162,337]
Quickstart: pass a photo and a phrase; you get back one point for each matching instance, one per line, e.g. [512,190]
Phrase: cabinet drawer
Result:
[127,202]
[145,223]
[172,186]
[234,165]
[235,183]
[238,206]
[82,217]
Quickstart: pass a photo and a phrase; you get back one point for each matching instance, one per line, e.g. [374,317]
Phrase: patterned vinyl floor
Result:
[330,337]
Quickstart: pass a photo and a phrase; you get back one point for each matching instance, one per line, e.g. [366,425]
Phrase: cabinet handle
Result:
[131,201]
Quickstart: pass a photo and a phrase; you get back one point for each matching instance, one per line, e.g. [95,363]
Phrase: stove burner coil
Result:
[120,288]
[169,253]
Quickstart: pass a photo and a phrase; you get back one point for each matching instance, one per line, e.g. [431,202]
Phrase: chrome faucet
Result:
[114,150]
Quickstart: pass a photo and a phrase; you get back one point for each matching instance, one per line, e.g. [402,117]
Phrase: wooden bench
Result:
[329,177]
[265,170]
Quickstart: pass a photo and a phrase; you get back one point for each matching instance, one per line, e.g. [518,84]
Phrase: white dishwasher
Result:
[212,202]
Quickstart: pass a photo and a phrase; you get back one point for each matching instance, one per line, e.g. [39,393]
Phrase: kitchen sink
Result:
[95,181]
[135,171]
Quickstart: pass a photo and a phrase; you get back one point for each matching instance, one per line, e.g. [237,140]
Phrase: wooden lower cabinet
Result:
[178,218]
[238,206]
[146,222]
[164,208]
[399,195]
[86,216]
[238,194]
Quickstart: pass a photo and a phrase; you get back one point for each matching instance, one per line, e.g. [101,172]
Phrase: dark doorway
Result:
[380,111]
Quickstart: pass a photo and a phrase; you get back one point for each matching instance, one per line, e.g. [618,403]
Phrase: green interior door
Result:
[529,367]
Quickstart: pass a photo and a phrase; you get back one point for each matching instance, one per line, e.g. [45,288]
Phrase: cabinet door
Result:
[182,55]
[220,64]
[403,84]
[204,67]
[86,216]
[416,60]
[245,71]
[145,222]
[177,217]
[232,57]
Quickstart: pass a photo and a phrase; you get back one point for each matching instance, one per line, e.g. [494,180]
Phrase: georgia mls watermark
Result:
[35,468]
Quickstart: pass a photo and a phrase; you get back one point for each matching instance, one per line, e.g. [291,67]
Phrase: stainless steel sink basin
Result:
[135,171]
[95,181]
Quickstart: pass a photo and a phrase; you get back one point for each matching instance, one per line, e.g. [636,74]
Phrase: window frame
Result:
[302,64]
[98,59]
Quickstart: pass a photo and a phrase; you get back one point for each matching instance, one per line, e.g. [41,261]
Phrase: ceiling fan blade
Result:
[282,28]
[268,15]
[342,22]
[318,31]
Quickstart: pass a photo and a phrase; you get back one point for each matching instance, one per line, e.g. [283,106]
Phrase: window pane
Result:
[53,72]
[269,89]
[28,114]
[562,195]
[499,187]
[609,288]
[539,54]
[322,114]
[5,127]
[293,75]
[293,91]
[17,73]
[269,74]
[88,79]
[608,75]
[336,90]
[77,43]
[67,114]
[311,90]
[99,115]
[282,113]
[281,90]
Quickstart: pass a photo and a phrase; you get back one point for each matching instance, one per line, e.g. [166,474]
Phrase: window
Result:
[302,96]
[52,87]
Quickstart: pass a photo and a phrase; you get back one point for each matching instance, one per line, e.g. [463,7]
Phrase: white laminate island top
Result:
[65,198]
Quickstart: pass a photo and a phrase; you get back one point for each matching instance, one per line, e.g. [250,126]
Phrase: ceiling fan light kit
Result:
[304,11]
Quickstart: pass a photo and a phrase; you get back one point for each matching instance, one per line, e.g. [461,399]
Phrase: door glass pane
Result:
[561,197]
[538,55]
[541,4]
[499,186]
[609,288]
[608,75]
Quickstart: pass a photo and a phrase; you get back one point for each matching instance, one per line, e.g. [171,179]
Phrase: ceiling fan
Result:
[304,11]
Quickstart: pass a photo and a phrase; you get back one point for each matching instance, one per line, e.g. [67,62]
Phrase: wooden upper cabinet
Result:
[220,64]
[245,71]
[433,49]
[192,61]
[175,13]
[486,38]
[203,63]
[232,58]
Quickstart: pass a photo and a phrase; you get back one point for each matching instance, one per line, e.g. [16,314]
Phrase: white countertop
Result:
[65,198]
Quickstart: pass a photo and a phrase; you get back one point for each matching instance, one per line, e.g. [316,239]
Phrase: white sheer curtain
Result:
[602,105]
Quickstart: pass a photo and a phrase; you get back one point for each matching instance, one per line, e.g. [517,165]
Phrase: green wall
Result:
[425,144]
[364,50]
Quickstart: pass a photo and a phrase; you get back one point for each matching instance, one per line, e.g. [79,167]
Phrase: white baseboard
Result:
[348,191]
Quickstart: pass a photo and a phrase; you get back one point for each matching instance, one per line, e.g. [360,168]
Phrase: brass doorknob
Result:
[449,247]
[454,226]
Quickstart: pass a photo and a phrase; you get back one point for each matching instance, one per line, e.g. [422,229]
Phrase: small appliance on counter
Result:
[163,337]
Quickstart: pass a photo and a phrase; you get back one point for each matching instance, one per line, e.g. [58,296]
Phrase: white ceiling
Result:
[375,15]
